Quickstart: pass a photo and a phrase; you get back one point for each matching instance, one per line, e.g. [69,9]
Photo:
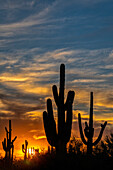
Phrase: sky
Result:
[36,36]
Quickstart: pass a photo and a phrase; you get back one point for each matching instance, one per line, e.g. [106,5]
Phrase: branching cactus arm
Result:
[101,133]
[68,123]
[23,150]
[49,124]
[14,139]
[4,145]
[81,131]
[70,99]
[55,94]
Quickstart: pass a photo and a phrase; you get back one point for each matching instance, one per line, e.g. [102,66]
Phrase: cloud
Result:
[28,88]
[18,104]
[37,18]
[6,77]
[34,130]
[19,109]
[39,137]
[87,81]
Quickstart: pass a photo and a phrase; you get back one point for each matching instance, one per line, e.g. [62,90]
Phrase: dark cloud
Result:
[20,104]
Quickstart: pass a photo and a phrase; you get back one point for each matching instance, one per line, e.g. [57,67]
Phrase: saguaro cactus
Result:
[24,149]
[59,139]
[8,143]
[89,130]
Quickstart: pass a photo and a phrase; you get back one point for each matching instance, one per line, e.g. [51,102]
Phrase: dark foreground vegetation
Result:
[70,161]
[76,158]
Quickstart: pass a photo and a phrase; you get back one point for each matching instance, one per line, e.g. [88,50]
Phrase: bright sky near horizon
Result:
[36,36]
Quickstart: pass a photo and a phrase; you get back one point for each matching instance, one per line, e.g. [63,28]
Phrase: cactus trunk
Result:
[9,138]
[90,139]
[61,112]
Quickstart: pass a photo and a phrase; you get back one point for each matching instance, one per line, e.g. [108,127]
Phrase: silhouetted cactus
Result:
[48,150]
[89,130]
[8,145]
[24,149]
[60,139]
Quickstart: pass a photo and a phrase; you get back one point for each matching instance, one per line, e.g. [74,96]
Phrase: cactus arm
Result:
[86,130]
[6,129]
[80,128]
[26,143]
[55,94]
[49,124]
[6,132]
[23,150]
[70,98]
[68,123]
[14,139]
[100,135]
[4,144]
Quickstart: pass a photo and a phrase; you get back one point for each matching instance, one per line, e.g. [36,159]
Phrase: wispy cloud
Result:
[87,81]
[19,27]
[39,137]
[8,77]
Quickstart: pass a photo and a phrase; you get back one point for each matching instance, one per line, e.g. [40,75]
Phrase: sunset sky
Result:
[36,36]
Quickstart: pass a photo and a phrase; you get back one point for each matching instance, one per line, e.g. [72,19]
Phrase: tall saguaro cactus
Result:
[89,130]
[8,144]
[59,139]
[24,149]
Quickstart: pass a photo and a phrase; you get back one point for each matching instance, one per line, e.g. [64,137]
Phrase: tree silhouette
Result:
[60,139]
[75,146]
[107,145]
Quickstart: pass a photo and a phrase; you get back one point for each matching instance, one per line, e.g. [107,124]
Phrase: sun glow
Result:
[31,151]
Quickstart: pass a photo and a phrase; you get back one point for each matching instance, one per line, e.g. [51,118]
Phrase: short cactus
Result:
[89,130]
[24,149]
[60,139]
[8,144]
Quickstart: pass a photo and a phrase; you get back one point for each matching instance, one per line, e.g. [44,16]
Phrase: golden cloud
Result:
[11,77]
[39,137]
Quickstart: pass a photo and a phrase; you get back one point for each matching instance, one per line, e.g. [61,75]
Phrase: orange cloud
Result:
[39,137]
[12,77]
[33,89]
[88,80]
